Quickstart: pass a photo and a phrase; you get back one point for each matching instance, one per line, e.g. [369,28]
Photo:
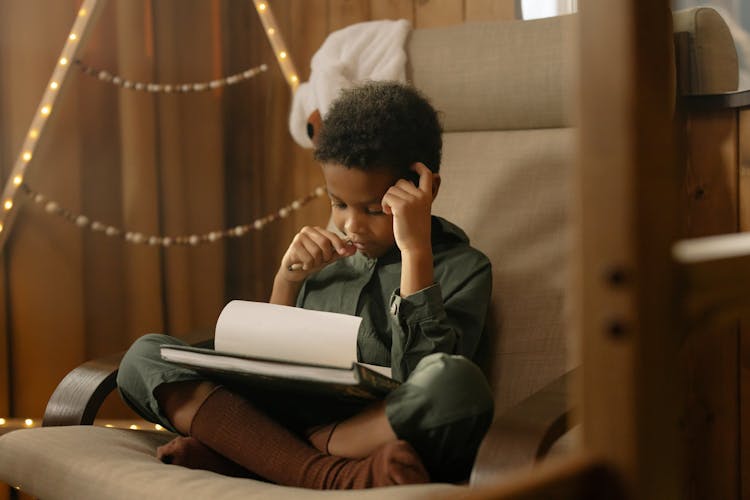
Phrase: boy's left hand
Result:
[411,207]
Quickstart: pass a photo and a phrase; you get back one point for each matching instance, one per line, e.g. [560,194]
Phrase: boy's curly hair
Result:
[381,124]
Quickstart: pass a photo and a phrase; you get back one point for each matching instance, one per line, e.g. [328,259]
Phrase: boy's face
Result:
[355,206]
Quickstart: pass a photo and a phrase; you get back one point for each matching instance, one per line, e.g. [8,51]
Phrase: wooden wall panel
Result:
[435,13]
[392,9]
[490,10]
[709,406]
[710,187]
[345,12]
[744,344]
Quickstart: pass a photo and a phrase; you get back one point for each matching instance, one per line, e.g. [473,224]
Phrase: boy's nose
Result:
[353,224]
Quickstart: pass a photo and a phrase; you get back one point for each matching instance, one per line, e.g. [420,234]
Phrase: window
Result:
[537,9]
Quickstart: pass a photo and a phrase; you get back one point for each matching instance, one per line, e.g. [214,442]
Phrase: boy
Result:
[421,290]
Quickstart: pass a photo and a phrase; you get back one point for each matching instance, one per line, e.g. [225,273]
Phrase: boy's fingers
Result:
[342,247]
[312,250]
[425,176]
[300,255]
[323,243]
[393,200]
[407,187]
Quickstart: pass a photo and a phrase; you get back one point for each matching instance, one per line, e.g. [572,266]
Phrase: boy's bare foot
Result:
[191,453]
[398,463]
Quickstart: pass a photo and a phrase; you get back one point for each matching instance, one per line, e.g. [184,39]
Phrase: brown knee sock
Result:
[232,427]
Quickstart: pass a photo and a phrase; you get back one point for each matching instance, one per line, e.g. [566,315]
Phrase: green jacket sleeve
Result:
[446,317]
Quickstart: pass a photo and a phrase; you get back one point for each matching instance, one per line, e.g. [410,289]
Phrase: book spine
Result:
[374,380]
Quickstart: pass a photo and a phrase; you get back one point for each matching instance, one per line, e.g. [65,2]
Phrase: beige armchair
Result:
[504,91]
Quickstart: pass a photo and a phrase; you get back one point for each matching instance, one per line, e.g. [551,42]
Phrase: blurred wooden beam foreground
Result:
[623,281]
[627,220]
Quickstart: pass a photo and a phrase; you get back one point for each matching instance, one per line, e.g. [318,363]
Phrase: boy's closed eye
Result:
[374,210]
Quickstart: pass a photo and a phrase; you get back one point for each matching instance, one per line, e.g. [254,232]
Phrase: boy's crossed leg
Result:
[229,425]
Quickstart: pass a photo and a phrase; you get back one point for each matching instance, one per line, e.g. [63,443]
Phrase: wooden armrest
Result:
[523,434]
[79,395]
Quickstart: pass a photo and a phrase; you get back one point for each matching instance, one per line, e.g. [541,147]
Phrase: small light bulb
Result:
[262,7]
[294,79]
[34,134]
[54,85]
[134,427]
[282,54]
[73,36]
[46,110]
[82,12]
[17,180]
[26,156]
[1,230]
[108,425]
[28,422]
[271,31]
[2,421]
[63,61]
[158,427]
[8,204]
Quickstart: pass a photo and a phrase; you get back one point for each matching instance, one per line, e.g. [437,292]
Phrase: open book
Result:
[282,348]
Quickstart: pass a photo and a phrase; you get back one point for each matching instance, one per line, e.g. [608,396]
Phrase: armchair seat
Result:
[85,462]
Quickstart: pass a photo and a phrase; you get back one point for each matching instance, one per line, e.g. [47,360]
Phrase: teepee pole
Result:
[46,108]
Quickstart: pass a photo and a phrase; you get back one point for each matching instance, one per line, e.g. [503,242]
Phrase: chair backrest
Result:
[508,145]
[505,91]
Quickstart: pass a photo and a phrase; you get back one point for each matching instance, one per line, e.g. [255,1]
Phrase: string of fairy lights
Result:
[168,88]
[136,238]
[60,75]
[84,20]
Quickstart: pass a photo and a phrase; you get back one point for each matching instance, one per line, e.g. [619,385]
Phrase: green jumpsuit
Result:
[444,405]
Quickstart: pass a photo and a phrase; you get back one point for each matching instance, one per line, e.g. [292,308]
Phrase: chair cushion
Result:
[85,462]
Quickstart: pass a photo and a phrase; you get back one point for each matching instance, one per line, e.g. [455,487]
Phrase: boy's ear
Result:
[435,185]
[314,122]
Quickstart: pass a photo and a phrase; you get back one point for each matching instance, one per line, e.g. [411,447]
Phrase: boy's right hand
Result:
[313,248]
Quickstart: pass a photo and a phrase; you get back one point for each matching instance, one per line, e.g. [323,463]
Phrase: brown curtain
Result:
[156,164]
[143,162]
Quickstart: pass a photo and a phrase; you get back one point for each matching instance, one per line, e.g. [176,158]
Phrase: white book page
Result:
[287,333]
[383,370]
[257,367]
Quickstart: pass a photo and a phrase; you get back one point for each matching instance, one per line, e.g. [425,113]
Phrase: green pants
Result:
[443,409]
